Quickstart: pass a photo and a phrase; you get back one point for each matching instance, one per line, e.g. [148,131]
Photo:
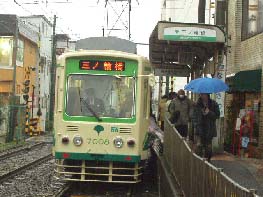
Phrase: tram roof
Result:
[179,47]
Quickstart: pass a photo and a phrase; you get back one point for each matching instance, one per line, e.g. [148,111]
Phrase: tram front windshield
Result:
[100,96]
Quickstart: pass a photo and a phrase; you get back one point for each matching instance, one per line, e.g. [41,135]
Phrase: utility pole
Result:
[53,73]
[11,130]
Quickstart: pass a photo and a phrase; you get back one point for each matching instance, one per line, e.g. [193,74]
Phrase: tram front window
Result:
[100,96]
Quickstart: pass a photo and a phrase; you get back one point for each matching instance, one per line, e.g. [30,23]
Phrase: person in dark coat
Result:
[181,109]
[204,119]
[91,103]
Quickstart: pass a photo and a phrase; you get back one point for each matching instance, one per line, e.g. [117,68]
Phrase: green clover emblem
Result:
[98,129]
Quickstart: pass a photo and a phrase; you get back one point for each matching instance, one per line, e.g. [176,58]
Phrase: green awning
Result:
[247,81]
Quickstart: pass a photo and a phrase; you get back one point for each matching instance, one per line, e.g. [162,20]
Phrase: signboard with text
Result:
[220,96]
[189,34]
[171,72]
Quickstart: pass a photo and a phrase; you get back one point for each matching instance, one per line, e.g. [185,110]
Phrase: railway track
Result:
[18,161]
[36,180]
[10,152]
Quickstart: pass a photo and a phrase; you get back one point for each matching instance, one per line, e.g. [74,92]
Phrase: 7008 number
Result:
[98,141]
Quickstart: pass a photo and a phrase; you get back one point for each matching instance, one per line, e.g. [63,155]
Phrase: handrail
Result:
[195,175]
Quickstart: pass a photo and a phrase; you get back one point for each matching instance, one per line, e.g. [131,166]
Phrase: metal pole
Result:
[167,85]
[10,134]
[52,69]
[129,19]
[33,99]
[209,12]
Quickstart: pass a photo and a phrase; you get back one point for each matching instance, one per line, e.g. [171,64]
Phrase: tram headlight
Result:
[77,140]
[118,142]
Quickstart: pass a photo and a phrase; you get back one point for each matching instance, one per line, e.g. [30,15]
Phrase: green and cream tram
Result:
[102,108]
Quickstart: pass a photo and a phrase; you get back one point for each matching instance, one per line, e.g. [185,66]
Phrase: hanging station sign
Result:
[189,34]
[171,72]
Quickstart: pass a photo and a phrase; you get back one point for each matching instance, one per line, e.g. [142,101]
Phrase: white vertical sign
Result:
[220,96]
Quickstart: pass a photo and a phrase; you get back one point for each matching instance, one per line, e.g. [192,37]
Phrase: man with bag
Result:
[181,109]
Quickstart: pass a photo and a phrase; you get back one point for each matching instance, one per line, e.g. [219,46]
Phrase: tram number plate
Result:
[98,141]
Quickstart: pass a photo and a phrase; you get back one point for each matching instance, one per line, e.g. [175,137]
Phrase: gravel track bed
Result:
[38,181]
[15,150]
[23,158]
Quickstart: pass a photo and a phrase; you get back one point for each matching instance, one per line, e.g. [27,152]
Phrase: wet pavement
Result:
[247,172]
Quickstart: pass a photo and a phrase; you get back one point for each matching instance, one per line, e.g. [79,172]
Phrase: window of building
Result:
[252,18]
[6,51]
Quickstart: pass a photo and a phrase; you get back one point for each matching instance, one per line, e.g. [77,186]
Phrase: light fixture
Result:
[77,140]
[118,142]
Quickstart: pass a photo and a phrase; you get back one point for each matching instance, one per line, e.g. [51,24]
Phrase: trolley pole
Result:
[11,127]
[53,70]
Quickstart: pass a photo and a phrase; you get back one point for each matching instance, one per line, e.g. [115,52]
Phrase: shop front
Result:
[244,112]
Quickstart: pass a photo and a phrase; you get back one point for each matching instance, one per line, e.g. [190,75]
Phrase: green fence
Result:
[12,120]
[17,114]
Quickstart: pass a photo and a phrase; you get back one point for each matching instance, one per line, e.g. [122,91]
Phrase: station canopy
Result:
[177,48]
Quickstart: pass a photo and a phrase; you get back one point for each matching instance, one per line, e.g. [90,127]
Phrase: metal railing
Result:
[196,176]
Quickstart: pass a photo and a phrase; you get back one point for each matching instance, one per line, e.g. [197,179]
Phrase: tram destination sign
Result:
[101,65]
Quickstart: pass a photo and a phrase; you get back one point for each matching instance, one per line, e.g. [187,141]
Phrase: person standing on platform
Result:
[181,109]
[204,119]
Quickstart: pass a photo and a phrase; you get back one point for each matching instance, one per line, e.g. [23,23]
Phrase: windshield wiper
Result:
[91,110]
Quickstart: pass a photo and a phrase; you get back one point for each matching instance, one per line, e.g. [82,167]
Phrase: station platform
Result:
[247,172]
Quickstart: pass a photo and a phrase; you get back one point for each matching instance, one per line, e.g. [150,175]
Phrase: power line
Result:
[22,7]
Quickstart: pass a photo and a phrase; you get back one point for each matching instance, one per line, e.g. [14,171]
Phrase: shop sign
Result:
[189,34]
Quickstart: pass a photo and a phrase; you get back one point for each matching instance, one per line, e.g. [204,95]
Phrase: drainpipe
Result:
[201,11]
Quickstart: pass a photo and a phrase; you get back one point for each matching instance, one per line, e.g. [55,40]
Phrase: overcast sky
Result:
[86,18]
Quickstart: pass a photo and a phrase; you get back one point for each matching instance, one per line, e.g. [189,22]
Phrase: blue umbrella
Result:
[206,85]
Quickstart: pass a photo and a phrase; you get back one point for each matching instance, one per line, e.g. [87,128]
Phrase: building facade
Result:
[244,67]
[186,11]
[44,27]
[18,62]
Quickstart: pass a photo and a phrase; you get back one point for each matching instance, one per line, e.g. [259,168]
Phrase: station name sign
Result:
[189,34]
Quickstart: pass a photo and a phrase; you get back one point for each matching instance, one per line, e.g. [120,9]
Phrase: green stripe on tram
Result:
[99,157]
